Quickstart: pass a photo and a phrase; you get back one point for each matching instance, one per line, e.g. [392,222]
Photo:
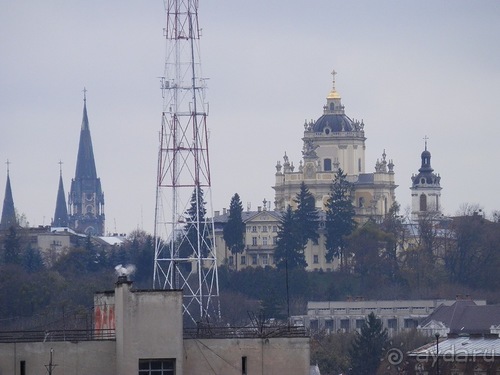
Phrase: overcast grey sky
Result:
[407,68]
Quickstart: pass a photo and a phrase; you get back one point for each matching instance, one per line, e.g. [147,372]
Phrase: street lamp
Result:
[437,353]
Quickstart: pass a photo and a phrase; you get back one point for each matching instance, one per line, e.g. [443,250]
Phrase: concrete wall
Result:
[270,356]
[148,325]
[71,358]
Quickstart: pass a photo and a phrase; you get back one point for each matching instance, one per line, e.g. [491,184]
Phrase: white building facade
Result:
[333,142]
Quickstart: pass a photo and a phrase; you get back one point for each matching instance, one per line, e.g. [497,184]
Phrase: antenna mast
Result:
[185,256]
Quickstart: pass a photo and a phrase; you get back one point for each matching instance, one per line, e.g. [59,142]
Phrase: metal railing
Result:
[244,332]
[57,335]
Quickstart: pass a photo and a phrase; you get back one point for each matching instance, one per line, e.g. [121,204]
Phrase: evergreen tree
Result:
[289,250]
[394,227]
[369,347]
[12,247]
[32,260]
[92,257]
[234,230]
[306,215]
[196,229]
[339,217]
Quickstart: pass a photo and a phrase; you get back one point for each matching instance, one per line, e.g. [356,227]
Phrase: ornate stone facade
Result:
[336,141]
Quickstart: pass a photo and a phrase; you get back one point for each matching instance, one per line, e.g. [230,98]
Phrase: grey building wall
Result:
[70,358]
[147,324]
[264,356]
[347,316]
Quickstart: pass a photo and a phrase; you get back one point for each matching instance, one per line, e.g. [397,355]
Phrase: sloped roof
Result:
[247,216]
[465,316]
[461,346]
[365,178]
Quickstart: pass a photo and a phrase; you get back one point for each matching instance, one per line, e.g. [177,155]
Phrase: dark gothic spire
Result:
[61,213]
[8,211]
[86,199]
[85,163]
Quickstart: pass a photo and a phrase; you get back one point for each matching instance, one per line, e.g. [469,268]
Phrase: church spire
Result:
[61,212]
[85,163]
[86,199]
[8,212]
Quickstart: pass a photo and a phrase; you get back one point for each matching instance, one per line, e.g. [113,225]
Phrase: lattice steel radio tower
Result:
[185,256]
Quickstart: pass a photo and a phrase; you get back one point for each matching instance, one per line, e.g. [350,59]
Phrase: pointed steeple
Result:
[86,199]
[8,212]
[85,163]
[61,213]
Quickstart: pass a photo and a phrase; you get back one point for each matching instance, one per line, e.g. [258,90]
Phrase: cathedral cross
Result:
[425,140]
[334,73]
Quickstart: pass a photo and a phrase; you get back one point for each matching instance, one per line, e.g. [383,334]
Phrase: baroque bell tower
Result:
[425,189]
[86,198]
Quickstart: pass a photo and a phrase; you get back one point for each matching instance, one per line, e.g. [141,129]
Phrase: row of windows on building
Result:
[254,260]
[368,310]
[344,325]
[265,241]
[262,260]
[262,228]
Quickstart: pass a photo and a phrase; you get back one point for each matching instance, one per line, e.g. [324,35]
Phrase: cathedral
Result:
[331,142]
[335,141]
[85,211]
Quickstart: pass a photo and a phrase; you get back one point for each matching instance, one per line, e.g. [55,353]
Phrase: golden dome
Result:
[333,95]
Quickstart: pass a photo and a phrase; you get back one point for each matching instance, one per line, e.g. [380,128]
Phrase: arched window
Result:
[361,202]
[423,202]
[332,106]
[327,164]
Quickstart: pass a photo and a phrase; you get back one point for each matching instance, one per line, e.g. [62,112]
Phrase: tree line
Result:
[36,290]
[432,258]
[427,257]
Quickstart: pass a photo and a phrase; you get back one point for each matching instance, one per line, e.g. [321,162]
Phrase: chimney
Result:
[224,211]
[123,279]
[259,208]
